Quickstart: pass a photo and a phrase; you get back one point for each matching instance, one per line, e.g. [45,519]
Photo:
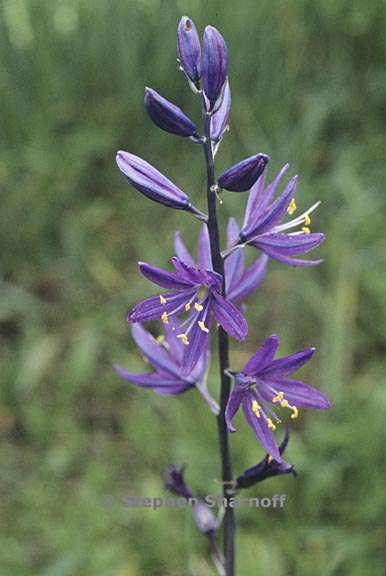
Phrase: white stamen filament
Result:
[297,221]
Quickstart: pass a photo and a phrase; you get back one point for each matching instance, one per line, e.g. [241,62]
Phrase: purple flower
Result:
[262,228]
[264,383]
[189,50]
[175,482]
[148,180]
[194,291]
[240,282]
[214,65]
[266,468]
[244,174]
[219,119]
[165,355]
[168,116]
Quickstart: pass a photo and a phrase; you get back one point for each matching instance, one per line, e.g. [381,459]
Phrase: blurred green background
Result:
[309,87]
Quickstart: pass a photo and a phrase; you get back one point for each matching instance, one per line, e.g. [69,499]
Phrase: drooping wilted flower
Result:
[264,383]
[214,65]
[197,292]
[189,50]
[168,116]
[148,180]
[219,119]
[266,468]
[262,228]
[165,355]
[243,175]
[240,282]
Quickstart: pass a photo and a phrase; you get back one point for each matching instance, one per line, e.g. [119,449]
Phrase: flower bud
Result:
[148,180]
[175,482]
[204,518]
[168,116]
[214,65]
[219,120]
[189,50]
[244,174]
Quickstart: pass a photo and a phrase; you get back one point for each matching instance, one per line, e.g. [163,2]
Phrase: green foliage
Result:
[308,87]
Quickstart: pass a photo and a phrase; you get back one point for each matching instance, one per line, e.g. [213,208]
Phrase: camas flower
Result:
[165,356]
[240,282]
[262,228]
[264,383]
[194,291]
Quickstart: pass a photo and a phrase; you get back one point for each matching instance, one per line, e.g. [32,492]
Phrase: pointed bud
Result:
[204,518]
[175,482]
[189,50]
[148,180]
[219,120]
[168,116]
[267,468]
[214,65]
[244,174]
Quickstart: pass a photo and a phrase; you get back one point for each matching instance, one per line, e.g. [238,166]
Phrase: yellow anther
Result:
[307,220]
[187,307]
[284,403]
[256,408]
[202,326]
[164,318]
[162,299]
[160,339]
[271,425]
[306,230]
[198,306]
[279,397]
[269,459]
[295,412]
[292,207]
[184,339]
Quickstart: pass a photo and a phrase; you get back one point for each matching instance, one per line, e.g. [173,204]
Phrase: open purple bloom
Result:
[263,384]
[153,184]
[214,65]
[194,291]
[240,282]
[189,50]
[165,355]
[266,468]
[263,230]
[168,116]
[244,174]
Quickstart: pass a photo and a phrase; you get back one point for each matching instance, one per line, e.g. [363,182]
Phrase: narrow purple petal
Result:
[148,180]
[174,345]
[279,256]
[198,339]
[153,351]
[260,428]
[188,49]
[289,245]
[168,280]
[154,380]
[273,214]
[263,357]
[288,364]
[181,251]
[152,308]
[235,263]
[204,258]
[296,392]
[199,376]
[167,115]
[232,407]
[249,281]
[229,317]
[189,274]
[219,120]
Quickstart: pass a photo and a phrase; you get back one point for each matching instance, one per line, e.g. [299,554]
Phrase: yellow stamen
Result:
[162,299]
[271,425]
[202,326]
[198,306]
[187,307]
[284,403]
[292,207]
[160,339]
[279,397]
[295,412]
[256,408]
[184,339]
[307,220]
[164,318]
[306,230]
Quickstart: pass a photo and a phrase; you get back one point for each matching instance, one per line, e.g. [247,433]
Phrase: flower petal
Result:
[249,281]
[232,407]
[153,351]
[152,309]
[289,245]
[154,380]
[181,251]
[288,364]
[204,257]
[198,339]
[168,280]
[219,120]
[235,263]
[296,392]
[263,357]
[260,428]
[229,317]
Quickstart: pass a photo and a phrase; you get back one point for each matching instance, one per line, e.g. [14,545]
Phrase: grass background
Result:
[309,87]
